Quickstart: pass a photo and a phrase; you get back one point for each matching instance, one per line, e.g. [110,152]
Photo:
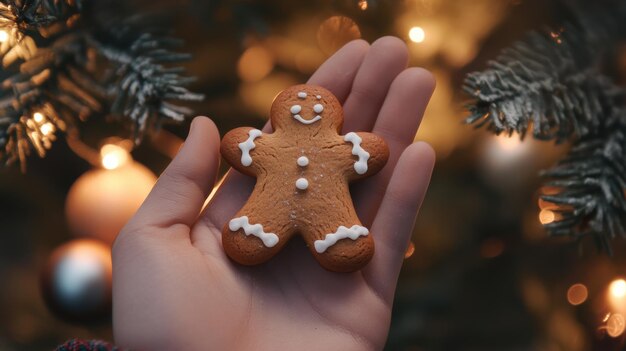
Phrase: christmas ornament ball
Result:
[101,201]
[76,281]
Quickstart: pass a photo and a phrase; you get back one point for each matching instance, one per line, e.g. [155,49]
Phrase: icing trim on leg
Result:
[269,239]
[248,145]
[342,232]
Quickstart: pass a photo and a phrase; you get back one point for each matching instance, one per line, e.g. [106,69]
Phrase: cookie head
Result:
[306,107]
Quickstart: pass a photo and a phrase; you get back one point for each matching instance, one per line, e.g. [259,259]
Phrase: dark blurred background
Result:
[481,273]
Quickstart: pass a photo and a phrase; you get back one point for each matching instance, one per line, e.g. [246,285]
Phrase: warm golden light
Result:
[38,117]
[363,5]
[113,156]
[617,289]
[417,34]
[47,128]
[4,36]
[335,32]
[615,325]
[546,216]
[508,143]
[255,63]
[577,294]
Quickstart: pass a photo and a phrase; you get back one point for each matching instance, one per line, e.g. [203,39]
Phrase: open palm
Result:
[173,286]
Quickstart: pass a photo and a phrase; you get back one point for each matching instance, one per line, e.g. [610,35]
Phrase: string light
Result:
[47,128]
[38,117]
[417,34]
[114,156]
[363,5]
[4,36]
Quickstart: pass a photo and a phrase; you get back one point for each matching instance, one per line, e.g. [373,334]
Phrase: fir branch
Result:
[59,82]
[143,85]
[592,182]
[550,83]
[553,84]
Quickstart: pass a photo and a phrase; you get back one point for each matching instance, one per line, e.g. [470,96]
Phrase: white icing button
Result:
[302,95]
[295,109]
[318,108]
[303,161]
[319,97]
[302,183]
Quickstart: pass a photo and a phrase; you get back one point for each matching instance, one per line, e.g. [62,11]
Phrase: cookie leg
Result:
[340,247]
[251,239]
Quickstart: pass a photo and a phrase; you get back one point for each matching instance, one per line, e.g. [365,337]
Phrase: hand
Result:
[175,289]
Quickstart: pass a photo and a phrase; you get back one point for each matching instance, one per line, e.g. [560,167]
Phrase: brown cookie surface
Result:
[303,169]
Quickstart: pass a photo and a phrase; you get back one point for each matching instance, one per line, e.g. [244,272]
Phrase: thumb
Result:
[182,188]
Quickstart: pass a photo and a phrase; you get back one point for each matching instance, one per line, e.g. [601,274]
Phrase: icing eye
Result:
[318,108]
[319,97]
[302,95]
[295,109]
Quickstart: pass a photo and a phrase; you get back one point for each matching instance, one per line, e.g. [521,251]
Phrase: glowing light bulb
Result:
[417,34]
[363,5]
[113,156]
[47,128]
[4,36]
[38,117]
[617,288]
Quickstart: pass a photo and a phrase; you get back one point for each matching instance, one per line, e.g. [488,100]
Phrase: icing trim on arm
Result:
[248,145]
[269,239]
[360,166]
[342,232]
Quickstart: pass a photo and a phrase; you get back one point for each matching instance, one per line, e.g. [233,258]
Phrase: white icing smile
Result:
[296,109]
[307,121]
[342,232]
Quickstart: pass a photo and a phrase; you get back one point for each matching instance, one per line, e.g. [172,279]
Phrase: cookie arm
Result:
[238,149]
[375,146]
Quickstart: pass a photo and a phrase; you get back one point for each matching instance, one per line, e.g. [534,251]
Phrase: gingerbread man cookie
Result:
[303,169]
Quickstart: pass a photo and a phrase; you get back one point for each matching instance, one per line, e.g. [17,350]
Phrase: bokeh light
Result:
[38,117]
[409,250]
[255,64]
[577,294]
[417,34]
[546,216]
[615,325]
[4,36]
[617,288]
[113,156]
[335,32]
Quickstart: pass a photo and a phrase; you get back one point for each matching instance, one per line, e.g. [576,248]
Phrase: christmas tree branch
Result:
[59,81]
[592,182]
[552,84]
